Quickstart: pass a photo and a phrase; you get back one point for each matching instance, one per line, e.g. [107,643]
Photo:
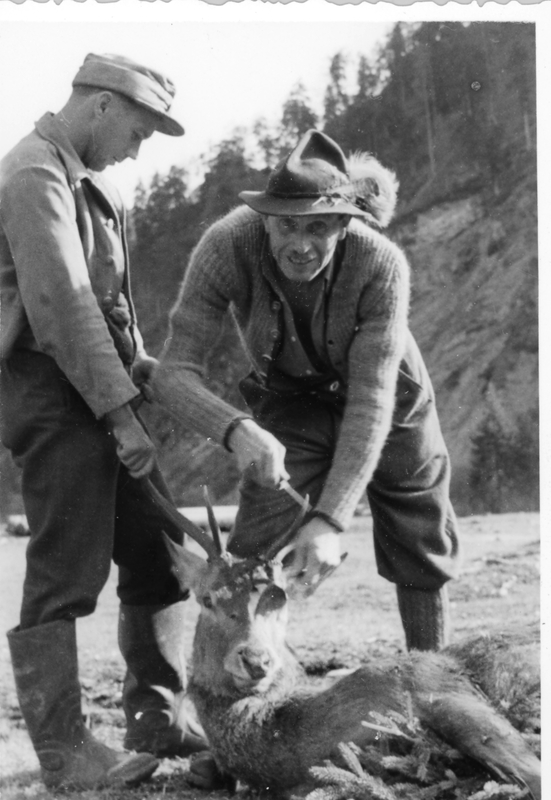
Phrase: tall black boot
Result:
[425,617]
[158,718]
[45,667]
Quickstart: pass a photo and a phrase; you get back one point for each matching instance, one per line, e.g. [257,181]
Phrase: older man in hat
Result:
[340,400]
[73,367]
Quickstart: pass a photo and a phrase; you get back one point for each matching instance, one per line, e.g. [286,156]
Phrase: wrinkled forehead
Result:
[305,219]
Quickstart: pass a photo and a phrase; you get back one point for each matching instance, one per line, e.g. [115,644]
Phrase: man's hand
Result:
[143,371]
[135,449]
[317,553]
[260,452]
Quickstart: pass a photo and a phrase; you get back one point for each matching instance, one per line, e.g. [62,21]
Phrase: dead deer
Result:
[267,728]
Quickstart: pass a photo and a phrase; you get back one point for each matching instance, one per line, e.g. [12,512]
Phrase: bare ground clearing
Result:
[353,618]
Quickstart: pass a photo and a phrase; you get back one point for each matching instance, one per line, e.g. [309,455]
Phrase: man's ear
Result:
[345,221]
[103,101]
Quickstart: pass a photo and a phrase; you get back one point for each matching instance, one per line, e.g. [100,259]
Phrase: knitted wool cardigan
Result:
[366,334]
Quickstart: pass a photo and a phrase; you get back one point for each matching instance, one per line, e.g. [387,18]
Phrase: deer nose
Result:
[255,661]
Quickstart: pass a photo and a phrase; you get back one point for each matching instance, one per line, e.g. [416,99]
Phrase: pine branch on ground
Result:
[406,763]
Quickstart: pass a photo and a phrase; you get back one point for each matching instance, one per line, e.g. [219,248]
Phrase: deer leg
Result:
[471,725]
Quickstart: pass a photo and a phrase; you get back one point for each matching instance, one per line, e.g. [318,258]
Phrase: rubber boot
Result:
[159,719]
[45,667]
[425,617]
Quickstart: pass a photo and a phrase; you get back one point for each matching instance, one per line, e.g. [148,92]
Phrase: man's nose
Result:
[301,242]
[133,151]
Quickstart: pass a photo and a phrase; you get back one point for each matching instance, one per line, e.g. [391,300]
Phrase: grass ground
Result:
[352,618]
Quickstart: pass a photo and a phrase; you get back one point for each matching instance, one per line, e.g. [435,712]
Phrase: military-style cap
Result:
[144,86]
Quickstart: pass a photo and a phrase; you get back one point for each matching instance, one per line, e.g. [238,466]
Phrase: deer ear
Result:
[273,599]
[188,568]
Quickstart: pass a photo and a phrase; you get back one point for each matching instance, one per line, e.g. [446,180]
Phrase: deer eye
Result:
[207,602]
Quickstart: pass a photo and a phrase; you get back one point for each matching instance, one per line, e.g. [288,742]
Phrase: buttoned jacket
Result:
[366,338]
[63,264]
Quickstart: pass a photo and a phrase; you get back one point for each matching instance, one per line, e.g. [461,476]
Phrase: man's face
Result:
[304,246]
[118,129]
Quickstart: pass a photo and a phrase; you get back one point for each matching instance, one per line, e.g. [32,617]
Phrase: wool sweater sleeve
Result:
[196,320]
[373,361]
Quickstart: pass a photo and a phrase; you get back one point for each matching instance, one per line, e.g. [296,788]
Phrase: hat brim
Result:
[165,123]
[298,207]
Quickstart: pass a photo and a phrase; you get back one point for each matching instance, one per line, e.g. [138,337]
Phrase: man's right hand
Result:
[134,447]
[259,452]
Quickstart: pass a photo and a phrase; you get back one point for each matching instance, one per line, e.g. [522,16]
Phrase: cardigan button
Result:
[334,386]
[274,335]
[276,305]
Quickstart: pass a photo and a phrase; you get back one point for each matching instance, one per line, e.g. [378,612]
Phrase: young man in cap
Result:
[73,367]
[340,398]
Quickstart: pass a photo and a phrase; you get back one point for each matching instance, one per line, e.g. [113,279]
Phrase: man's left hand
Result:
[143,370]
[317,553]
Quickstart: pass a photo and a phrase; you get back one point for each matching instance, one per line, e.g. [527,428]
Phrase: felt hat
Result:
[144,86]
[317,178]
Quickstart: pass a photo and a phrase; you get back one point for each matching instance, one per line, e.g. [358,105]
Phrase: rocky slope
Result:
[474,314]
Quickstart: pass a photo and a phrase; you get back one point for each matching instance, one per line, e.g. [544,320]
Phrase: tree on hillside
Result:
[298,116]
[336,100]
[363,112]
[228,172]
[267,141]
[521,64]
[164,223]
[395,53]
[504,472]
[368,79]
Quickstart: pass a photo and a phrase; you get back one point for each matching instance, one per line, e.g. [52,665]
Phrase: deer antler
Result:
[285,538]
[215,528]
[182,523]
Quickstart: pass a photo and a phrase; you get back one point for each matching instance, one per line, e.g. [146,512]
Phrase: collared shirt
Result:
[303,352]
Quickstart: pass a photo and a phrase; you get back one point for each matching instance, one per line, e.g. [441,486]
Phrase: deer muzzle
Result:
[255,660]
[250,666]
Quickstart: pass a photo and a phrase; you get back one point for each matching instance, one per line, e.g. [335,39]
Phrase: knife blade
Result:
[298,498]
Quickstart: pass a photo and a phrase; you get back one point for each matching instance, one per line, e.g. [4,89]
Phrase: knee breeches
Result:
[414,526]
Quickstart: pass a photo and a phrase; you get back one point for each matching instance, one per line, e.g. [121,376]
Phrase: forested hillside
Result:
[450,107]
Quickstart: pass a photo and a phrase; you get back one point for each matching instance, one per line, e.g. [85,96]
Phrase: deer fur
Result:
[266,726]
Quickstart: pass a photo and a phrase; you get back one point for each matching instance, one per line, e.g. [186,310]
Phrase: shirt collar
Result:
[49,128]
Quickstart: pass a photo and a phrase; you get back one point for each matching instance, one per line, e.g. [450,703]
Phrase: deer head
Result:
[239,645]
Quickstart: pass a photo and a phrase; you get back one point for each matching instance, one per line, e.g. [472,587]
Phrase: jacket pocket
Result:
[413,387]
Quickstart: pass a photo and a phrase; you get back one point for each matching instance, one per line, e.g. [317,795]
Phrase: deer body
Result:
[270,740]
[267,728]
